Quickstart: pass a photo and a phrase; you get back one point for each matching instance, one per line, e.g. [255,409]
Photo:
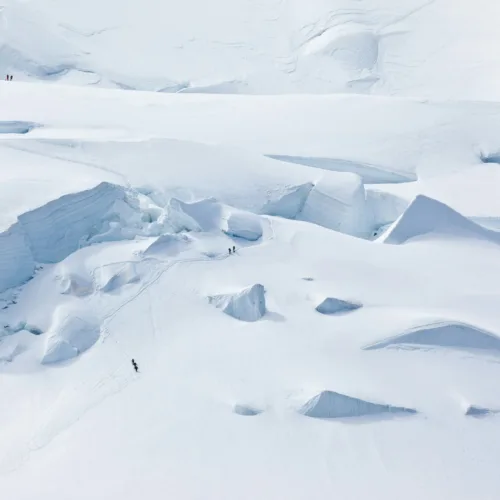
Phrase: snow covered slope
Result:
[225,243]
[427,48]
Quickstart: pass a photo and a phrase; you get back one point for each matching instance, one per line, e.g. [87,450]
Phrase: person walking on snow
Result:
[136,368]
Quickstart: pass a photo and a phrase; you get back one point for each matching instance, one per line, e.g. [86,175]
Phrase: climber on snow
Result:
[136,368]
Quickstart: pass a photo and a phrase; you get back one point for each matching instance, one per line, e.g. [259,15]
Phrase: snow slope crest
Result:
[329,404]
[429,218]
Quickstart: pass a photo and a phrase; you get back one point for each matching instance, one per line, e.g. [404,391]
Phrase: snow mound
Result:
[338,202]
[329,404]
[74,284]
[426,217]
[16,127]
[477,411]
[72,332]
[332,305]
[246,411]
[287,202]
[202,215]
[168,245]
[247,305]
[242,225]
[451,335]
[112,277]
[352,46]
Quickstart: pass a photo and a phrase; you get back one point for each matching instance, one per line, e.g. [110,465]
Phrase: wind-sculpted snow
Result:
[288,201]
[16,260]
[478,411]
[168,245]
[377,46]
[16,127]
[72,332]
[332,305]
[64,225]
[112,277]
[329,404]
[338,203]
[248,304]
[242,225]
[450,335]
[246,411]
[429,218]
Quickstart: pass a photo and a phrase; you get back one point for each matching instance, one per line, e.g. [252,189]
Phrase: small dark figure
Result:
[229,251]
[136,368]
[7,78]
[11,77]
[234,249]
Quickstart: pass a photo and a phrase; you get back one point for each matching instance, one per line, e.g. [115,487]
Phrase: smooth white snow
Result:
[348,121]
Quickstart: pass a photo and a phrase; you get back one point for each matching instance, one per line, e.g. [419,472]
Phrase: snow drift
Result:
[333,305]
[72,332]
[429,218]
[478,411]
[451,335]
[329,404]
[242,225]
[247,305]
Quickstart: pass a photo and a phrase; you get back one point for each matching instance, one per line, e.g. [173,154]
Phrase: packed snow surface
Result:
[206,188]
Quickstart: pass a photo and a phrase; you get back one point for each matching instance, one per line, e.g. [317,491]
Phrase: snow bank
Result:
[202,215]
[72,332]
[247,305]
[62,226]
[168,245]
[477,411]
[16,127]
[329,404]
[112,277]
[242,225]
[338,203]
[454,335]
[16,260]
[246,411]
[332,305]
[288,201]
[426,217]
[74,284]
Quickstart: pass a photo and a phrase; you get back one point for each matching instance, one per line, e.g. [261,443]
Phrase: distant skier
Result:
[11,77]
[136,368]
[234,249]
[7,78]
[229,251]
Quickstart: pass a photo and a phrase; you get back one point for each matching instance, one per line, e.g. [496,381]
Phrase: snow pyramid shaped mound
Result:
[329,404]
[454,335]
[242,225]
[477,411]
[426,217]
[247,305]
[72,332]
[168,245]
[332,305]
